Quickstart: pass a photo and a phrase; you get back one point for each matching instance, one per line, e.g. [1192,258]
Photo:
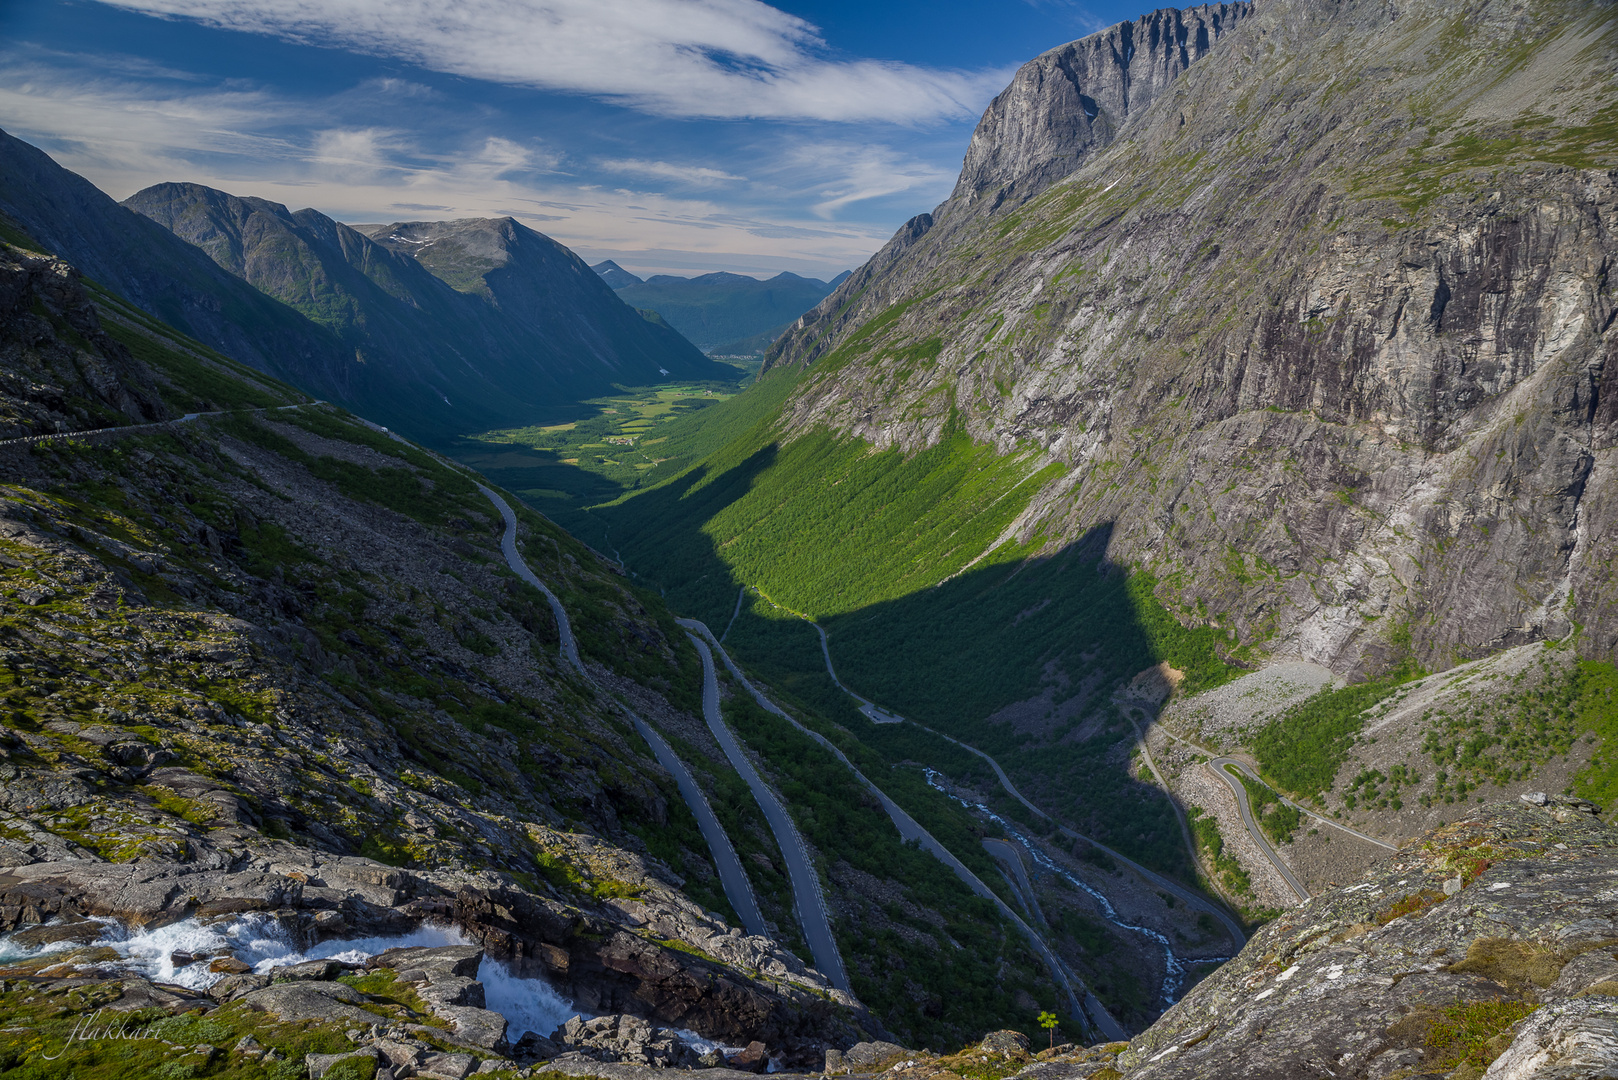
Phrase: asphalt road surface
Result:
[1189,896]
[806,894]
[738,890]
[1006,854]
[1339,826]
[1239,789]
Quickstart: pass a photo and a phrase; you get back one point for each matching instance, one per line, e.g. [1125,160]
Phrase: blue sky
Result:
[674,136]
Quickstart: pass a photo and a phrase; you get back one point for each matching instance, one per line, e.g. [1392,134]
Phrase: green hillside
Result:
[930,611]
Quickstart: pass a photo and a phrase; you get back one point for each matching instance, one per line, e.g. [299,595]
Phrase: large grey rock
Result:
[320,1064]
[871,1056]
[1570,1040]
[625,1038]
[323,1001]
[1005,1043]
[478,1026]
[308,971]
[455,1066]
[1073,99]
[1339,980]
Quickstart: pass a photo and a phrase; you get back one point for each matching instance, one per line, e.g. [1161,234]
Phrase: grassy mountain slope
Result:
[281,624]
[1221,321]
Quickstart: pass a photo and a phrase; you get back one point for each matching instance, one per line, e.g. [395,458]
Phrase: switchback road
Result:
[738,890]
[879,715]
[1191,898]
[1093,1012]
[806,893]
[1247,768]
[1237,788]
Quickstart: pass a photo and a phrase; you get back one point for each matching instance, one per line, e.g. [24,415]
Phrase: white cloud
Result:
[854,172]
[689,58]
[124,135]
[663,170]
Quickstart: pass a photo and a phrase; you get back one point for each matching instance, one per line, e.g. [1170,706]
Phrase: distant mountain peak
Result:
[614,275]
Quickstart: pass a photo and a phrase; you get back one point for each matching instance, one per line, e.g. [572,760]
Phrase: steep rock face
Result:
[58,370]
[1061,105]
[1502,921]
[1071,100]
[1337,304]
[1486,946]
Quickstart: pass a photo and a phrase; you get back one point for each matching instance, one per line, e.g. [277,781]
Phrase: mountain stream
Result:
[1174,968]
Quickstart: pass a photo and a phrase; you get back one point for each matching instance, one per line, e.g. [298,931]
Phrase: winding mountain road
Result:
[1006,854]
[1093,1013]
[738,890]
[1247,768]
[1249,819]
[806,892]
[1191,898]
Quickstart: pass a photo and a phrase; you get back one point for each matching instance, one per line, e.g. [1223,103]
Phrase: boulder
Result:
[533,1047]
[232,987]
[1570,1039]
[751,1058]
[320,1064]
[458,960]
[447,1066]
[327,1002]
[872,1056]
[625,1038]
[481,1027]
[308,971]
[1005,1043]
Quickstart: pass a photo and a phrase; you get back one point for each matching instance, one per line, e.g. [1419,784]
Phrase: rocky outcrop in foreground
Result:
[1489,947]
[671,963]
[1486,948]
[58,370]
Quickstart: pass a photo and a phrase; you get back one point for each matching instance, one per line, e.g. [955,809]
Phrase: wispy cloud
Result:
[687,58]
[698,175]
[1078,14]
[848,173]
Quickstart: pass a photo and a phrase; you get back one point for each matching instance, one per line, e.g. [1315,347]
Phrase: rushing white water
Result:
[1173,967]
[256,939]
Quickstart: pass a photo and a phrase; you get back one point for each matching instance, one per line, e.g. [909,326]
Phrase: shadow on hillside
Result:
[1058,634]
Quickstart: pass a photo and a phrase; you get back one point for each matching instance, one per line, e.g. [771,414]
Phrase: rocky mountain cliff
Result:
[61,372]
[454,326]
[1319,331]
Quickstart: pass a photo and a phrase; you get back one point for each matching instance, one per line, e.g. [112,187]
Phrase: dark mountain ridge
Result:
[475,322]
[164,276]
[724,313]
